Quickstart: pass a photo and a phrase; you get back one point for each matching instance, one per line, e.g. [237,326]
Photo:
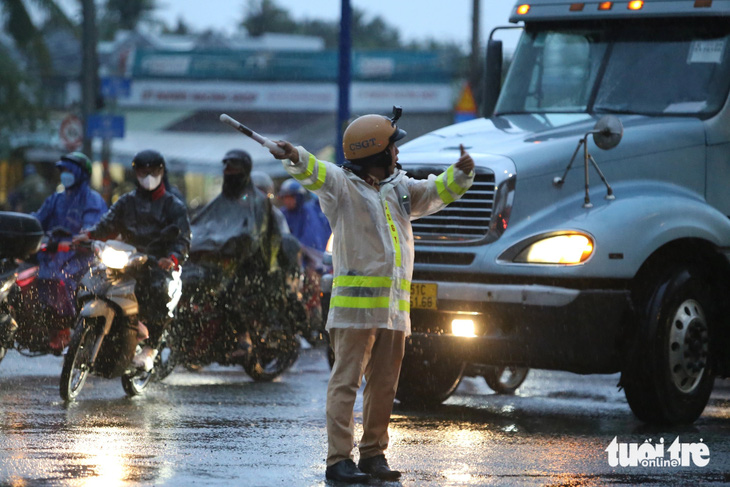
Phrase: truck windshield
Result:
[652,68]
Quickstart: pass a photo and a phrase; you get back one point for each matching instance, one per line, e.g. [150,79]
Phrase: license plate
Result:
[423,296]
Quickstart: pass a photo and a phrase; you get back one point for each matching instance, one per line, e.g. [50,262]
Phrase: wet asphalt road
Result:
[217,427]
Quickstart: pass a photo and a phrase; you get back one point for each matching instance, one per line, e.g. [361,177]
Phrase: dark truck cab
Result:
[568,257]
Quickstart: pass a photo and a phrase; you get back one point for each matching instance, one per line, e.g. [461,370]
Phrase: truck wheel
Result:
[427,380]
[505,380]
[668,378]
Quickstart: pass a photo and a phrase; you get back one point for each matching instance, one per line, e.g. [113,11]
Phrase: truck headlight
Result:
[558,249]
[463,328]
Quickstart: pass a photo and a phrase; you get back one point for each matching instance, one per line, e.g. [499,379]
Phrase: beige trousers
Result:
[376,353]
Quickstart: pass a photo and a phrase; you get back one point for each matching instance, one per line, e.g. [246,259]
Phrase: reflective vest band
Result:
[321,174]
[358,302]
[442,191]
[405,285]
[367,303]
[309,172]
[451,183]
[369,281]
[393,235]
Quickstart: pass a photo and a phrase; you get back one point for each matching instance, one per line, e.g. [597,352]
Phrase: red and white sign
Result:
[72,132]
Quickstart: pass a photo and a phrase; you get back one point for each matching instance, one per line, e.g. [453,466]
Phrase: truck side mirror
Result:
[492,77]
[607,132]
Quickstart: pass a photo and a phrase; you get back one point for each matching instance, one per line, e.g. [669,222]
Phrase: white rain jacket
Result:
[373,239]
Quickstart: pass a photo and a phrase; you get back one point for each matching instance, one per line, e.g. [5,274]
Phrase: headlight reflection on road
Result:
[461,440]
[102,453]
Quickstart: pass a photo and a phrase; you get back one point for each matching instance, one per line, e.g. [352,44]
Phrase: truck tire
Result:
[668,376]
[427,380]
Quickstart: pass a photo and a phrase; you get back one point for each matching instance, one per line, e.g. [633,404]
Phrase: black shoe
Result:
[346,471]
[377,466]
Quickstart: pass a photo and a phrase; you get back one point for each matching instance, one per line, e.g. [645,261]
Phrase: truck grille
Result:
[465,219]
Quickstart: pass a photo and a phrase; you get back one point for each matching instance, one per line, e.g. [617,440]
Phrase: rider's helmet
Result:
[239,158]
[148,158]
[366,140]
[77,158]
[263,182]
[291,187]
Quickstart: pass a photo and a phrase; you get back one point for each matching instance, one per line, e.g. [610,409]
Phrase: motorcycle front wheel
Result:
[135,382]
[166,358]
[76,363]
[272,353]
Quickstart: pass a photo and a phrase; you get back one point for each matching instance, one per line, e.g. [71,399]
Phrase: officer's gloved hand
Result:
[290,152]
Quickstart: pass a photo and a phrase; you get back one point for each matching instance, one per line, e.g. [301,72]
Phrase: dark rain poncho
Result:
[236,227]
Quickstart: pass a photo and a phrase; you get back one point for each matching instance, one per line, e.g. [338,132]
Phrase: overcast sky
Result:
[444,20]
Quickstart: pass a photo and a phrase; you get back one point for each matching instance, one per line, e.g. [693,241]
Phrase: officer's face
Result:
[394,158]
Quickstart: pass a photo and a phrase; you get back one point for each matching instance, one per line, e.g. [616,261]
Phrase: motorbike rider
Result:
[62,215]
[370,202]
[309,225]
[139,217]
[236,235]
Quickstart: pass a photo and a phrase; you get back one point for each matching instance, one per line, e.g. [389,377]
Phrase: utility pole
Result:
[343,112]
[475,74]
[89,64]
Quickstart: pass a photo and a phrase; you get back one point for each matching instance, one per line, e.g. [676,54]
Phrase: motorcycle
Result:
[106,336]
[45,308]
[20,236]
[240,314]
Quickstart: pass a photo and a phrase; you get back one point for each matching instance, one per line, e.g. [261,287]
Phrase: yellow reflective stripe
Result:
[453,185]
[367,303]
[358,302]
[405,285]
[308,172]
[442,191]
[321,174]
[361,281]
[393,234]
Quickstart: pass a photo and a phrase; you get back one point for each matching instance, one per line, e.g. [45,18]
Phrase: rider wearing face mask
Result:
[64,214]
[139,217]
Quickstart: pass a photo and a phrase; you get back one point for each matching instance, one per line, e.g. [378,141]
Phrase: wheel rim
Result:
[80,368]
[141,380]
[688,346]
[512,377]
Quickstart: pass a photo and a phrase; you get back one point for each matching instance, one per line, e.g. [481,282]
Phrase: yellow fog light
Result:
[559,249]
[463,328]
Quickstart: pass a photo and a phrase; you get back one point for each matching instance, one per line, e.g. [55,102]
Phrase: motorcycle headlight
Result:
[558,249]
[5,287]
[113,258]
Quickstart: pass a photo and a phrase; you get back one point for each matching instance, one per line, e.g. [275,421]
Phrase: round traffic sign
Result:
[72,132]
